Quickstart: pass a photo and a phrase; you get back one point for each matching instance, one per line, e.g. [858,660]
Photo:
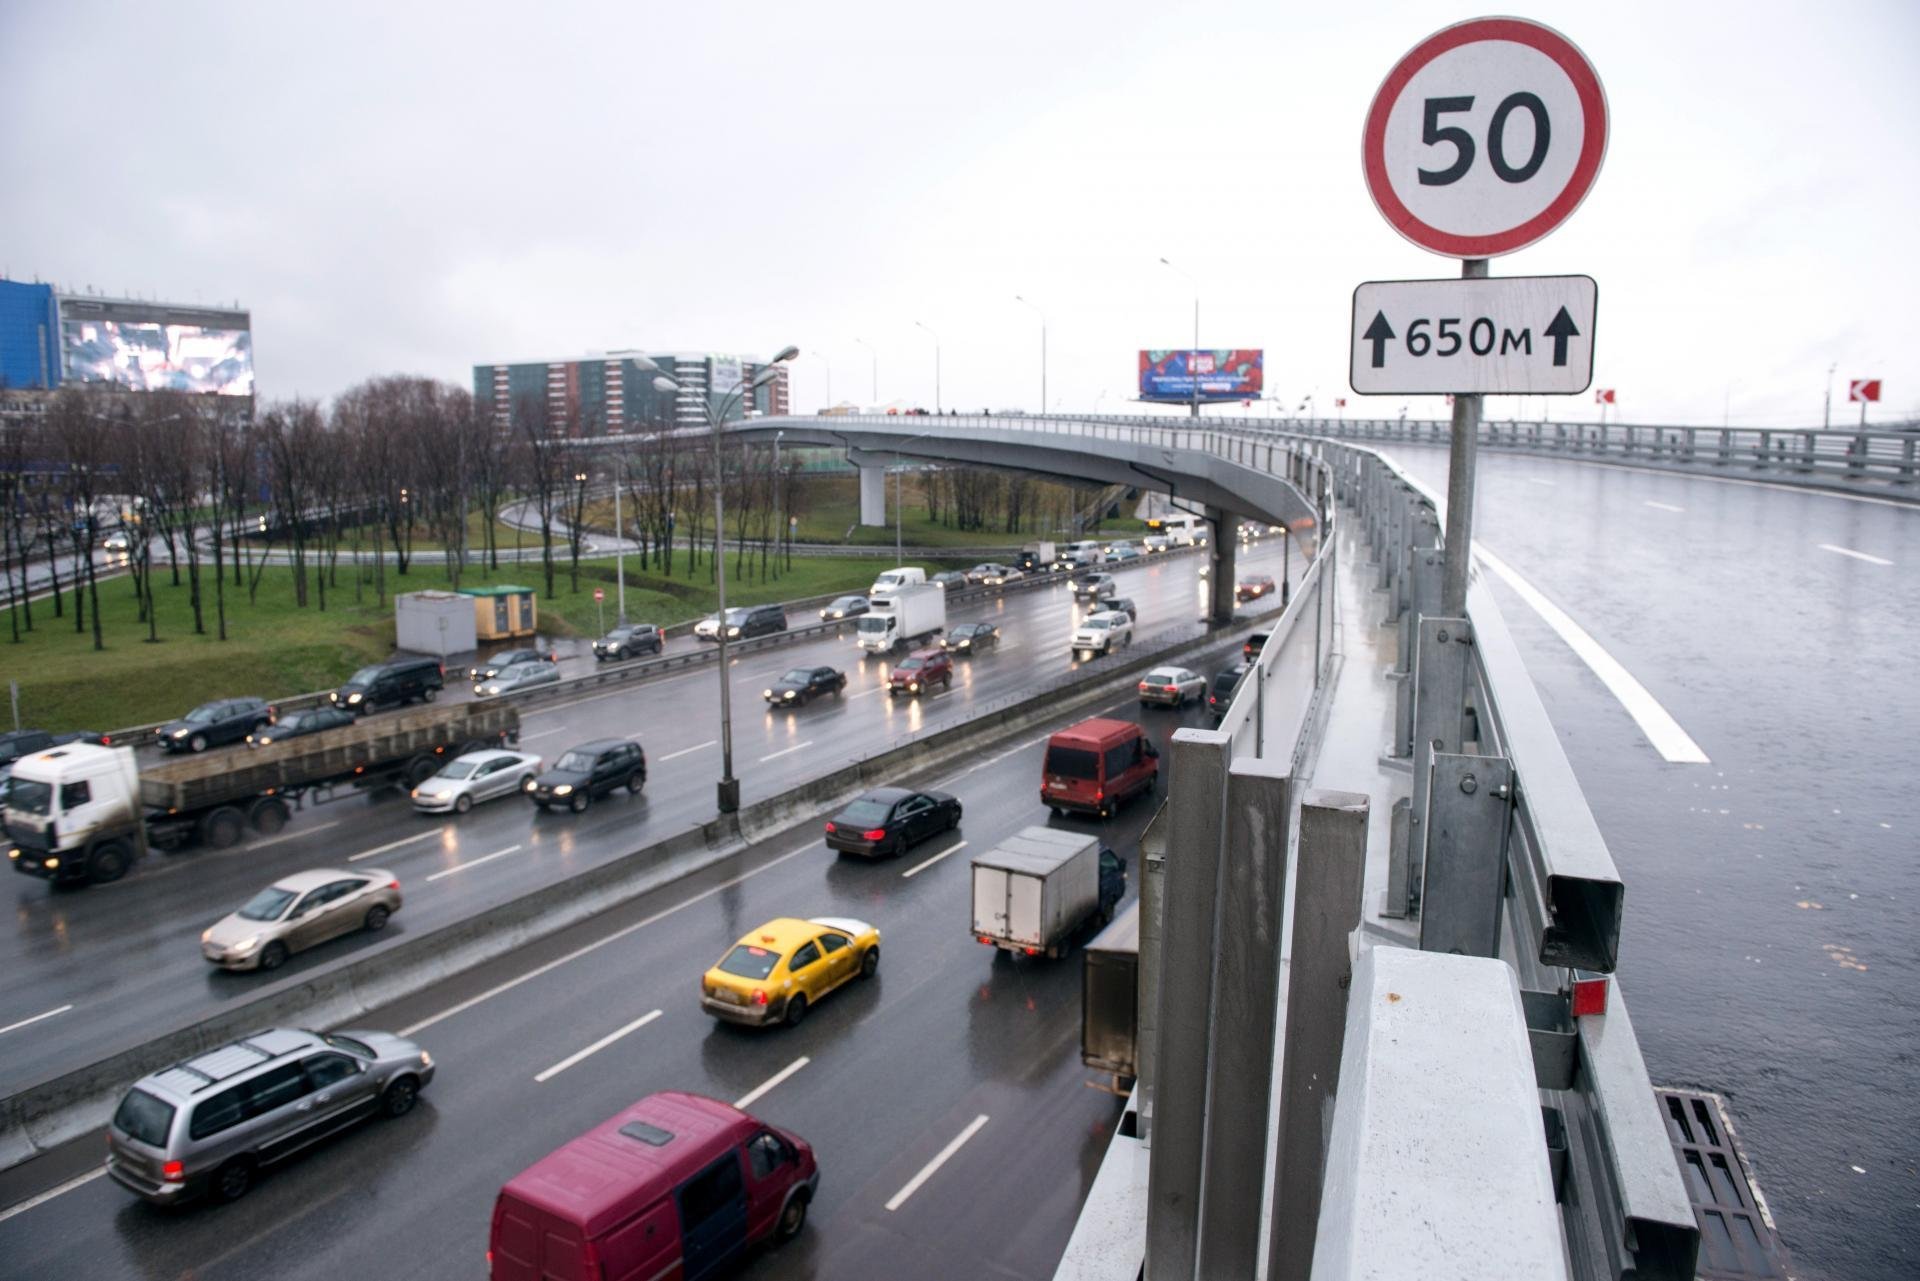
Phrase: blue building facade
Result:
[29,336]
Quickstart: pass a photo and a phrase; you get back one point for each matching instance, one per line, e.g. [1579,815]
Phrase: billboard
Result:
[1231,374]
[727,375]
[144,355]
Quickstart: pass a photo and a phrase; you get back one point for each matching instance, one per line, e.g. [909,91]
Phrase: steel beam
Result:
[1470,813]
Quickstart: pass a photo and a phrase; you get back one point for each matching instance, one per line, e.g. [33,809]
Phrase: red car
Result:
[1254,586]
[919,671]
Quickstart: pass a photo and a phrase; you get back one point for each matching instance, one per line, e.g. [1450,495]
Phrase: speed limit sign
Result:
[1484,137]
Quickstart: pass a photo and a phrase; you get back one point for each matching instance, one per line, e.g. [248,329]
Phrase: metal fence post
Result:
[1439,704]
[1246,997]
[1329,872]
[1196,821]
[1470,810]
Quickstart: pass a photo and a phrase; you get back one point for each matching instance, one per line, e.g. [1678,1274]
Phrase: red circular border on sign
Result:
[1593,105]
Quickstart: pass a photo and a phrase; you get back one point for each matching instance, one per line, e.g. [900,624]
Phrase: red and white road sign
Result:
[1604,396]
[599,594]
[1484,137]
[1864,389]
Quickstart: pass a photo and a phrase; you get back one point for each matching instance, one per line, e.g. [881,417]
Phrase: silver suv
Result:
[212,1123]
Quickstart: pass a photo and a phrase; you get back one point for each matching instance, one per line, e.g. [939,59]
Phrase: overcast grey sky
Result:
[415,188]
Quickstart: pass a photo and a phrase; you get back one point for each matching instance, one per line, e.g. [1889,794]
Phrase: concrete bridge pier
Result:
[873,495]
[1222,542]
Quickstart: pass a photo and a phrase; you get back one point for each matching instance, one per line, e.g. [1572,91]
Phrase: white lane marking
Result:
[932,1167]
[785,751]
[1848,551]
[685,751]
[557,729]
[753,1096]
[534,973]
[35,1019]
[595,1048]
[390,845]
[485,858]
[1664,732]
[918,868]
[51,1193]
[1665,507]
[288,836]
[878,689]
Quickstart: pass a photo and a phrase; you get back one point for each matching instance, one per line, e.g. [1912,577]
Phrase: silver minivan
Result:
[212,1123]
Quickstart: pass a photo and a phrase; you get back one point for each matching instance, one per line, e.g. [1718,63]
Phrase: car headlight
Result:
[426,1060]
[353,698]
[913,687]
[529,786]
[565,789]
[246,944]
[206,935]
[766,693]
[787,694]
[733,631]
[180,733]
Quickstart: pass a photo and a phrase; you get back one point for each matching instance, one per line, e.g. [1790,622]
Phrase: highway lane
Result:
[895,1070]
[125,958]
[1768,947]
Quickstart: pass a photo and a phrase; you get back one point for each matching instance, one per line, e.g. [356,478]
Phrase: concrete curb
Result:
[70,1105]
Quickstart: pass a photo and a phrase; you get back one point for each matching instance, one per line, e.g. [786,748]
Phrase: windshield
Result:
[873,625]
[28,796]
[798,676]
[887,579]
[460,769]
[575,762]
[865,813]
[844,602]
[735,616]
[1072,762]
[359,1049]
[365,676]
[907,665]
[200,715]
[750,962]
[1098,624]
[268,904]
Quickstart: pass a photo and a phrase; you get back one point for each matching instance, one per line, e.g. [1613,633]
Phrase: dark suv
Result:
[225,720]
[23,742]
[588,771]
[625,642]
[391,684]
[1220,692]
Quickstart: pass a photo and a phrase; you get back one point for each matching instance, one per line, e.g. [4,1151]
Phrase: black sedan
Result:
[506,658]
[225,720]
[626,642]
[887,820]
[971,638]
[803,685]
[294,724]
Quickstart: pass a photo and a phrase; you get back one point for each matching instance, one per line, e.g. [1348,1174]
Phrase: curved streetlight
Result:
[1193,377]
[729,788]
[1043,350]
[936,365]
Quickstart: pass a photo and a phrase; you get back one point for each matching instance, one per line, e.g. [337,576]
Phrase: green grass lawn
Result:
[275,649]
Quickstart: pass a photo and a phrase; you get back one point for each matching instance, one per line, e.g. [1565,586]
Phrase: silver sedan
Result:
[518,676]
[478,776]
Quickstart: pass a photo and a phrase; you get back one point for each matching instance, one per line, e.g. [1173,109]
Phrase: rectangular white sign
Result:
[1511,335]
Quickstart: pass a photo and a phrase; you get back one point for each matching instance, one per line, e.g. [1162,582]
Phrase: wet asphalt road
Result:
[896,1069]
[125,957]
[1773,896]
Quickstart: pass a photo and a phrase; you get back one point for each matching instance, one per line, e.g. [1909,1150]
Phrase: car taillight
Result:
[986,940]
[877,834]
[393,885]
[1099,794]
[1033,951]
[173,1172]
[759,996]
[831,829]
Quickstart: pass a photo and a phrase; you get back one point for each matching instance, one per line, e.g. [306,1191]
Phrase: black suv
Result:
[23,742]
[1124,604]
[588,771]
[1220,692]
[390,684]
[625,642]
[225,720]
[756,620]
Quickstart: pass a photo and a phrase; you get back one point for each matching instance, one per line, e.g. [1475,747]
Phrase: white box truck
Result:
[1036,889]
[914,612]
[1040,558]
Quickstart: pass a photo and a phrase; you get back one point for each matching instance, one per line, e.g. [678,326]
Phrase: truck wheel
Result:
[197,743]
[420,769]
[870,962]
[109,863]
[275,956]
[269,817]
[222,829]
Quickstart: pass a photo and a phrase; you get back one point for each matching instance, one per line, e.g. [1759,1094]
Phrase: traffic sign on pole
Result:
[1863,389]
[1484,137]
[599,594]
[1511,335]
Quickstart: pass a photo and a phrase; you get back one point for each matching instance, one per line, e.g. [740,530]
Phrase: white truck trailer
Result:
[914,612]
[1034,891]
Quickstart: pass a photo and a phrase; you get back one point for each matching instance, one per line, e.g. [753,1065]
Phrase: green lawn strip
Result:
[275,649]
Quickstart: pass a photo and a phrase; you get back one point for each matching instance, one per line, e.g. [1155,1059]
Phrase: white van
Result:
[892,580]
[1085,553]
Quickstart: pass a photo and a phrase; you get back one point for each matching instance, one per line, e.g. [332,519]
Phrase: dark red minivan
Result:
[1097,764]
[677,1186]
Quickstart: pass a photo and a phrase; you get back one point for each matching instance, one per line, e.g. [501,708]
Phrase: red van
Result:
[676,1186]
[1096,765]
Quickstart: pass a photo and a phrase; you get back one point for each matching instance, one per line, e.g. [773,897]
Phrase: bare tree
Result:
[540,468]
[81,434]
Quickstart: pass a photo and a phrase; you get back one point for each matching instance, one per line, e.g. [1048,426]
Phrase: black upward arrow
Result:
[1560,330]
[1380,331]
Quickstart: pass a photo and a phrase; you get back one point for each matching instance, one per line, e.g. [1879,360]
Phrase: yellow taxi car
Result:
[777,972]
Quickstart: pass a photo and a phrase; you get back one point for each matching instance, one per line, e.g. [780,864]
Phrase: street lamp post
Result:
[619,544]
[1826,414]
[779,528]
[1193,352]
[874,403]
[728,791]
[1043,350]
[936,366]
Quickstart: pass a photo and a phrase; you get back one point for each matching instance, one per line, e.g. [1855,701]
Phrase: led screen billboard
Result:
[1223,374]
[152,356]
